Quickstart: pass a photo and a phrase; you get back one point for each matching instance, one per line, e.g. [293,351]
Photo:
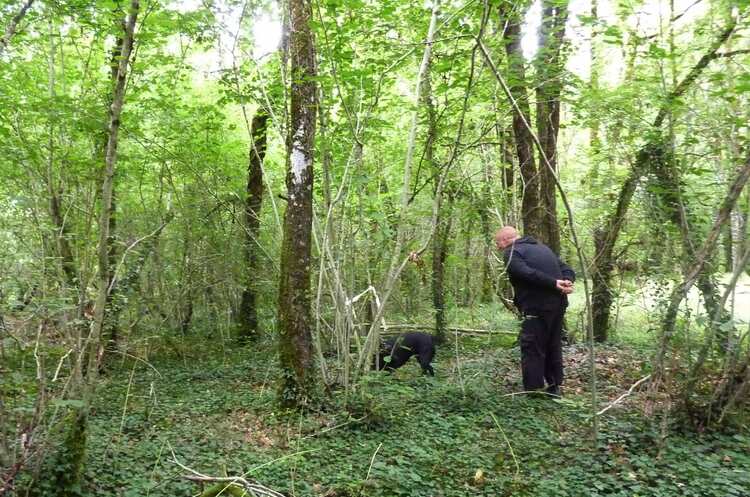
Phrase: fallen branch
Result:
[393,328]
[253,488]
[623,396]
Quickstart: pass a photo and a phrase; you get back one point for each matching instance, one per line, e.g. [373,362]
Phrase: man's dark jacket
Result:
[534,270]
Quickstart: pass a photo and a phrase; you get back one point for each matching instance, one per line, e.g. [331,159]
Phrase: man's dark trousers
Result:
[541,348]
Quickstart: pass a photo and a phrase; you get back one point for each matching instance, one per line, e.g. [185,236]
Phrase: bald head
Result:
[505,236]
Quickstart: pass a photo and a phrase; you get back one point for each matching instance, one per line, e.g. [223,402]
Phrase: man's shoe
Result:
[554,390]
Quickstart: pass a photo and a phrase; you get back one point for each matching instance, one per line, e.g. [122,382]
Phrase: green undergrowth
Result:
[460,433]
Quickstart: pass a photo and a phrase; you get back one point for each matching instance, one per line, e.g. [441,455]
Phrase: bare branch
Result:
[732,53]
[623,396]
[11,29]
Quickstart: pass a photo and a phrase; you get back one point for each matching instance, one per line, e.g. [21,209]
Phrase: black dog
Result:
[402,347]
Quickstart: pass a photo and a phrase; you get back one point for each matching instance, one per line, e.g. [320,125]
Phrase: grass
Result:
[402,434]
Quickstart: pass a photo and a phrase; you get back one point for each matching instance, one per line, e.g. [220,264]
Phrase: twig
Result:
[127,398]
[59,365]
[623,396]
[372,461]
[512,453]
[528,392]
[126,354]
[331,428]
[11,28]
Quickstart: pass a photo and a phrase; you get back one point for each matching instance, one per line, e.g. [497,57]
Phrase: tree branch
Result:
[732,53]
[697,69]
[623,396]
[11,29]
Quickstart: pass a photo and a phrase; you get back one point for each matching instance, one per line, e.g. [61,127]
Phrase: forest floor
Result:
[461,433]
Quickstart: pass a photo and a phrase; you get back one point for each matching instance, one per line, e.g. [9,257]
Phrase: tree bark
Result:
[605,238]
[728,247]
[531,211]
[248,319]
[487,235]
[439,254]
[549,77]
[437,279]
[110,160]
[295,340]
[111,311]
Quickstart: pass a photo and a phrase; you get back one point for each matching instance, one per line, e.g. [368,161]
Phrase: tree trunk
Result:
[439,253]
[605,238]
[727,245]
[111,313]
[602,294]
[184,304]
[248,319]
[83,380]
[54,192]
[549,73]
[467,296]
[437,279]
[295,340]
[669,189]
[487,235]
[110,159]
[531,211]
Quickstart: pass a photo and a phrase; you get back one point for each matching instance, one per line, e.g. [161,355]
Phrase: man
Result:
[541,283]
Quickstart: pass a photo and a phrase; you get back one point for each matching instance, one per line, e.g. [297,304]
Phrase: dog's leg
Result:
[424,360]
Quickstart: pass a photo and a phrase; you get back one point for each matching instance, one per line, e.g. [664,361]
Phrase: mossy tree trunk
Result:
[104,252]
[437,277]
[679,212]
[692,274]
[111,310]
[71,454]
[248,319]
[295,339]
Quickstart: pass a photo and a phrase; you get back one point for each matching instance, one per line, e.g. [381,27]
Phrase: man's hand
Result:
[565,286]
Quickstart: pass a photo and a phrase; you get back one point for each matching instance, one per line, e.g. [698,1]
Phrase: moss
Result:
[61,473]
[223,489]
